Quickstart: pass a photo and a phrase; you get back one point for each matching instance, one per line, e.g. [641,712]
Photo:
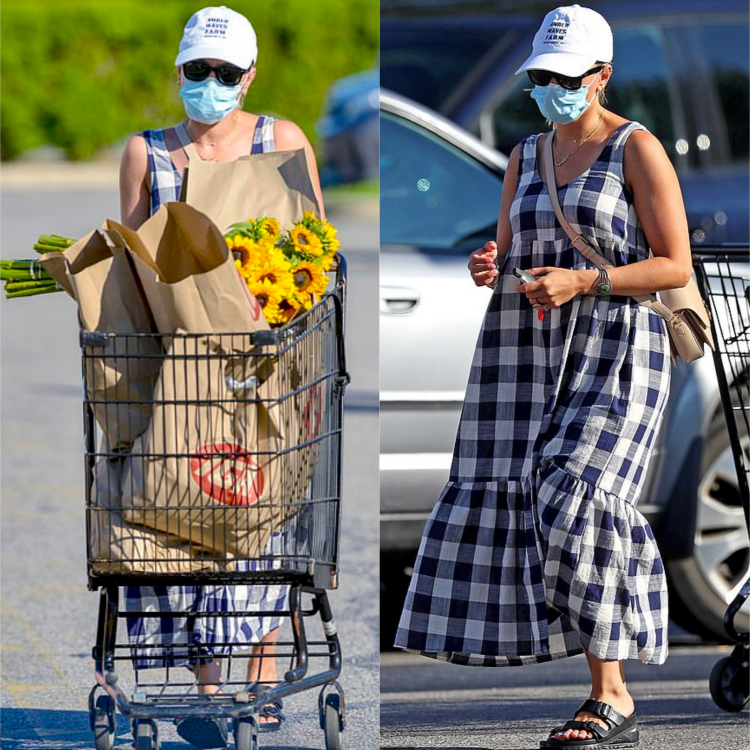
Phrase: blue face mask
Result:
[209,101]
[560,105]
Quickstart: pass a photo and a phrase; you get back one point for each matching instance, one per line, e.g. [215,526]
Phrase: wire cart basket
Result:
[213,464]
[723,277]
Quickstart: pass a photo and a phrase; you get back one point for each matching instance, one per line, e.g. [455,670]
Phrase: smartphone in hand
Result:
[527,278]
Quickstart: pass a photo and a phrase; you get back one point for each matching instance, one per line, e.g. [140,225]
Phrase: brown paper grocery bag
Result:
[115,546]
[97,272]
[275,184]
[205,470]
[298,410]
[188,274]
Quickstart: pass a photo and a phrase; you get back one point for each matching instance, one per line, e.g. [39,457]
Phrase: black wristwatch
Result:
[603,284]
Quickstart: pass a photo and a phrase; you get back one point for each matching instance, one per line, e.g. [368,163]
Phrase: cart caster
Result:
[729,681]
[332,721]
[246,734]
[145,734]
[103,720]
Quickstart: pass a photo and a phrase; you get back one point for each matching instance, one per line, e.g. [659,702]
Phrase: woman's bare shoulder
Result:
[289,135]
[134,155]
[644,147]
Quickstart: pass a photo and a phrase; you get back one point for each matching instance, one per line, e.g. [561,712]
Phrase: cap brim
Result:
[559,62]
[216,52]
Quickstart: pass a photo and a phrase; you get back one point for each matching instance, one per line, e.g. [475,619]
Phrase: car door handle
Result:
[398,300]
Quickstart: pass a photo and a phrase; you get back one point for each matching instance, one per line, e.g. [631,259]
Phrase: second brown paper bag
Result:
[275,184]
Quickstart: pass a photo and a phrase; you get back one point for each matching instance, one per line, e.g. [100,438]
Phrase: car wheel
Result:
[703,584]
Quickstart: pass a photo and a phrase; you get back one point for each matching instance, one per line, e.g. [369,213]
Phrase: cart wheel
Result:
[246,734]
[104,722]
[729,684]
[333,722]
[146,735]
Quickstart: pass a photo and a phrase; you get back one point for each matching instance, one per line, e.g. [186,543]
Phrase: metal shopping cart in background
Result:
[214,460]
[724,280]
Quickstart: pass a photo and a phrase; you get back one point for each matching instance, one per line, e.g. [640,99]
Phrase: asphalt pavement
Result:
[426,704]
[47,615]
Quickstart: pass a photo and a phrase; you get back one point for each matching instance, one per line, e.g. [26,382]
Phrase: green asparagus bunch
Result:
[26,278]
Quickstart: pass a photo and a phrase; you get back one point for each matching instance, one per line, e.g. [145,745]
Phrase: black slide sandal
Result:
[621,732]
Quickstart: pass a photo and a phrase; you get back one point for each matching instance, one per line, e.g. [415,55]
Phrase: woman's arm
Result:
[135,198]
[484,263]
[290,137]
[504,232]
[653,183]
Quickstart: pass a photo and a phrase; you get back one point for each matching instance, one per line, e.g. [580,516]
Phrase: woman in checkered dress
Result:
[535,549]
[215,71]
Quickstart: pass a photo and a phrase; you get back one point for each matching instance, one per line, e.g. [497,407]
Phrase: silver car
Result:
[440,193]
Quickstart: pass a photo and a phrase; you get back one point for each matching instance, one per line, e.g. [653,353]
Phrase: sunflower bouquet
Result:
[286,271]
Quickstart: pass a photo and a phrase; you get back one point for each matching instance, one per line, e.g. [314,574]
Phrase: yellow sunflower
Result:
[273,268]
[306,241]
[243,249]
[267,294]
[288,308]
[309,278]
[270,226]
[305,300]
[273,314]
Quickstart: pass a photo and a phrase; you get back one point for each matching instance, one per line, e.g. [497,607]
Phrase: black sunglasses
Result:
[199,70]
[569,83]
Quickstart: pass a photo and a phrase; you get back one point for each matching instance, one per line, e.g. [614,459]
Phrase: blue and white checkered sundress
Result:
[535,550]
[149,636]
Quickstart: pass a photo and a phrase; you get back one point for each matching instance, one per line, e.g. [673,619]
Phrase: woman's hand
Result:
[556,286]
[482,265]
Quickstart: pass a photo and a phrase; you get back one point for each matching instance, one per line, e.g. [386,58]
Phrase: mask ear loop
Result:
[243,94]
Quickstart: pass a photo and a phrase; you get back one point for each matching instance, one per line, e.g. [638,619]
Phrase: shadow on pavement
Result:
[47,729]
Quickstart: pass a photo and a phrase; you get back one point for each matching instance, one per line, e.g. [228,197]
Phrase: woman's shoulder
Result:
[526,147]
[636,138]
[289,135]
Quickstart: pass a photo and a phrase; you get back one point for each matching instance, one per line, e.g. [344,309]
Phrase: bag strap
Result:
[581,243]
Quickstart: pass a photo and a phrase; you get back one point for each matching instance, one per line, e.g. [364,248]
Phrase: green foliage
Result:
[85,74]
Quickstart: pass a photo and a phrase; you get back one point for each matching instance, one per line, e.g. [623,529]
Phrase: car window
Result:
[640,86]
[725,50]
[639,90]
[432,194]
[418,62]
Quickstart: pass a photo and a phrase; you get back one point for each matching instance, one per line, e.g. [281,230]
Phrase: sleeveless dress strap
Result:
[617,149]
[164,180]
[263,138]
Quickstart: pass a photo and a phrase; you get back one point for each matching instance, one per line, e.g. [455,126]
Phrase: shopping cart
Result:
[214,460]
[724,280]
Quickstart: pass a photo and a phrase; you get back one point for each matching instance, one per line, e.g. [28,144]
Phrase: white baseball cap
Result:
[219,33]
[570,41]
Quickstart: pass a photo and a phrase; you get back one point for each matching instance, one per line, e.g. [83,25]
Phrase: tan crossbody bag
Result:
[684,311]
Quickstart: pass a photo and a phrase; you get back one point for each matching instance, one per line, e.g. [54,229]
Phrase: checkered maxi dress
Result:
[148,636]
[535,550]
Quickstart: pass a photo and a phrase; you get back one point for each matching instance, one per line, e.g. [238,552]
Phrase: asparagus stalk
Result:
[46,289]
[18,286]
[48,243]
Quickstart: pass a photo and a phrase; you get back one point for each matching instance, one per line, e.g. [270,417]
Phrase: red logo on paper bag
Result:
[226,473]
[255,308]
[312,414]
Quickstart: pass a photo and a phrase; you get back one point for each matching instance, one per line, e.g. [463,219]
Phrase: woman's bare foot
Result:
[621,701]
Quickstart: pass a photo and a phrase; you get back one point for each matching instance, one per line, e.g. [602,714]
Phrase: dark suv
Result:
[681,68]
